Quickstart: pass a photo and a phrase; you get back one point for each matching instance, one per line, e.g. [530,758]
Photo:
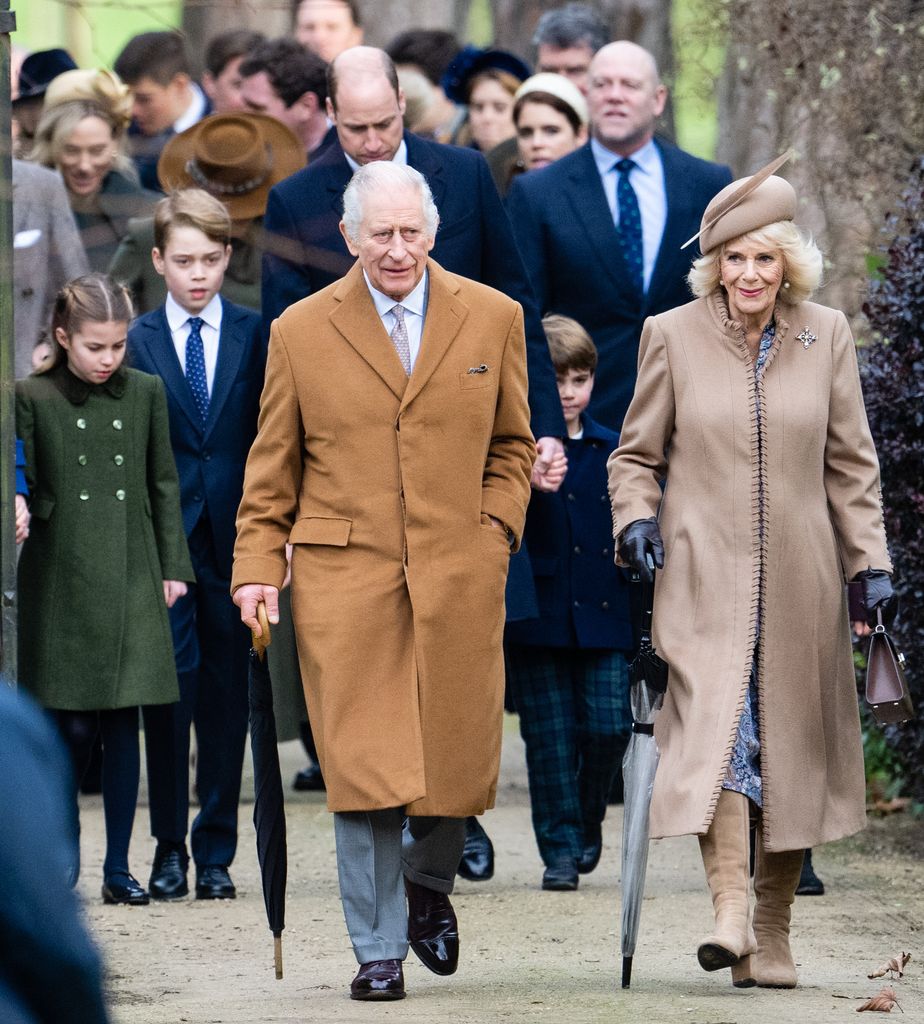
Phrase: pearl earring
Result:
[785,284]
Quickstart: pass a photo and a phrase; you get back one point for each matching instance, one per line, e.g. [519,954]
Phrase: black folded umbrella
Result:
[268,810]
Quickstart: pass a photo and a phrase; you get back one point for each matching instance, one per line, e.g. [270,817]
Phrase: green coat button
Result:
[82,459]
[118,460]
[117,424]
[120,495]
[81,424]
[84,495]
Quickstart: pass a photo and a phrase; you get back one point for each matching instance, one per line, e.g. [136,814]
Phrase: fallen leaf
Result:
[882,1002]
[896,805]
[894,966]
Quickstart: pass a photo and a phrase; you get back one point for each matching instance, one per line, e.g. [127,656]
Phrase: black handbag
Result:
[886,687]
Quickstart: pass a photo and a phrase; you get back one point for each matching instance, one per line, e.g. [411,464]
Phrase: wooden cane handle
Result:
[260,643]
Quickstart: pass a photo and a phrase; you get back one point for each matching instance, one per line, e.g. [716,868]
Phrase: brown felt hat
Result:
[235,157]
[746,205]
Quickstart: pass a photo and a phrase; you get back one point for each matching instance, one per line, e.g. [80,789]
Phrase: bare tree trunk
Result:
[384,19]
[203,21]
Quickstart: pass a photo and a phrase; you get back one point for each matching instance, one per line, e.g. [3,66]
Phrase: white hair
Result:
[385,176]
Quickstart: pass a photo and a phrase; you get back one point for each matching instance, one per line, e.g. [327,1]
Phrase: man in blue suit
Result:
[211,356]
[600,230]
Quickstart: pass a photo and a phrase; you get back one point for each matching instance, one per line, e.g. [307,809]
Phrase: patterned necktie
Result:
[400,339]
[195,366]
[630,225]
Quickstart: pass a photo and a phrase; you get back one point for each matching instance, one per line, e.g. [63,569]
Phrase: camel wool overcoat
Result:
[736,567]
[383,484]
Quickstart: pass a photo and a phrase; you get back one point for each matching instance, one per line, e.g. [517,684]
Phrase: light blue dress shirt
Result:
[415,310]
[647,178]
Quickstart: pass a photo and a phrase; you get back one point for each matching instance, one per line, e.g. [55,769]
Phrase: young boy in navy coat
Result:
[211,357]
[566,668]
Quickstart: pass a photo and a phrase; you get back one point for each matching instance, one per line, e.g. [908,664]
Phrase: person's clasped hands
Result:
[550,466]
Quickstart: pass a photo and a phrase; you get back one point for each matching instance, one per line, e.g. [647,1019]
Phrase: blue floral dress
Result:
[743,772]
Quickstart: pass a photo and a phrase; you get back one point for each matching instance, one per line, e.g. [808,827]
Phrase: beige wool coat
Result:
[383,484]
[693,422]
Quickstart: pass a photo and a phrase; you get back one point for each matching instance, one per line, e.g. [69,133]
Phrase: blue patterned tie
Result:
[630,225]
[195,366]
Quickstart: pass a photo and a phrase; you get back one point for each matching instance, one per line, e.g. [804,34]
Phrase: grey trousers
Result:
[376,850]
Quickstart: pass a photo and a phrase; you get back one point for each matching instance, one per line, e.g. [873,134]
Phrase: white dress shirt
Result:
[415,309]
[178,322]
[647,179]
[194,113]
[400,157]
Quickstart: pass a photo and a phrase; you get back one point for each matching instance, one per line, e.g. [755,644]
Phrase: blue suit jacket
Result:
[573,255]
[474,240]
[582,596]
[210,457]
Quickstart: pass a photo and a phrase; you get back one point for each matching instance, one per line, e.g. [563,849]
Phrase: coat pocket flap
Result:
[41,508]
[321,530]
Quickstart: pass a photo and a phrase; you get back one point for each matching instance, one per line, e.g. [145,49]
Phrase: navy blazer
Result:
[210,457]
[582,596]
[474,240]
[573,255]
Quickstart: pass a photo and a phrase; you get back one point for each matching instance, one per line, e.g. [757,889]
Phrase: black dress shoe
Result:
[593,847]
[168,874]
[214,883]
[380,979]
[809,883]
[124,888]
[562,876]
[432,929]
[477,864]
[309,779]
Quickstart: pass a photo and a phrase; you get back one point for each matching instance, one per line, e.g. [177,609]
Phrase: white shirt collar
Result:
[646,159]
[400,157]
[415,302]
[194,112]
[177,316]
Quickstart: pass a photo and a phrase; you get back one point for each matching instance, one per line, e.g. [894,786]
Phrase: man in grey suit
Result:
[47,253]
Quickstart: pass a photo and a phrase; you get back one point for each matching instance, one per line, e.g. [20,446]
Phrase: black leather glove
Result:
[878,595]
[640,547]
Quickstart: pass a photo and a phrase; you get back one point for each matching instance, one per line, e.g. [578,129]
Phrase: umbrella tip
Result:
[626,971]
[277,955]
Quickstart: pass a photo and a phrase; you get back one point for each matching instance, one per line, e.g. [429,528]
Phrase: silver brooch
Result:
[806,337]
[479,369]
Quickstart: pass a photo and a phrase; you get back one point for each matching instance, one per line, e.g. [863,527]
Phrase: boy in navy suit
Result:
[211,357]
[566,668]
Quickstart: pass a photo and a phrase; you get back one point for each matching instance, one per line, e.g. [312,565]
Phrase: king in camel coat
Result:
[693,419]
[384,484]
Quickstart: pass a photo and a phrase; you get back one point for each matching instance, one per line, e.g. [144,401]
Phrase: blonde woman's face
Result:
[490,114]
[752,275]
[87,156]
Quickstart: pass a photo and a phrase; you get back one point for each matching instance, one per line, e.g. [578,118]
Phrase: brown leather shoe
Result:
[432,929]
[380,979]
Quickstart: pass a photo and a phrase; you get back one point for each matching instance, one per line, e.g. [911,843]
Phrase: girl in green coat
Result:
[106,553]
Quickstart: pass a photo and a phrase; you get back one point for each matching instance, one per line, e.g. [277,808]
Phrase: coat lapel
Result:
[444,317]
[676,225]
[425,157]
[230,352]
[588,200]
[358,321]
[159,343]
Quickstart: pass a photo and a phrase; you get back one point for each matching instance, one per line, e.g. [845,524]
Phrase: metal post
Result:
[7,347]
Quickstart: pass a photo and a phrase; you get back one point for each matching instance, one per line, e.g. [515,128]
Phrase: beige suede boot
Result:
[725,850]
[776,876]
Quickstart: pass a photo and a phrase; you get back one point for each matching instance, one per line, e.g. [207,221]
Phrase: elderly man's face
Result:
[571,61]
[393,241]
[368,117]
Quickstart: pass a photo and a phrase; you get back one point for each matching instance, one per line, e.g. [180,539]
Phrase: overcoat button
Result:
[577,604]
[82,459]
[84,495]
[120,495]
[81,424]
[605,605]
[606,551]
[577,549]
[117,424]
[118,459]
[571,497]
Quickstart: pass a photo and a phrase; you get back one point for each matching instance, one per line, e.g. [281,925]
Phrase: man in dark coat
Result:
[600,230]
[49,968]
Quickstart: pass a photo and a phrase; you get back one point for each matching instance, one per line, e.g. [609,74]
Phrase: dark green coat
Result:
[105,532]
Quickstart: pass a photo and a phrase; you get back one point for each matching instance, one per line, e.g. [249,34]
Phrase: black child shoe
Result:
[123,888]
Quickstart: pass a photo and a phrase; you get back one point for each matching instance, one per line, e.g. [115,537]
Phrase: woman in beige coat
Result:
[748,407]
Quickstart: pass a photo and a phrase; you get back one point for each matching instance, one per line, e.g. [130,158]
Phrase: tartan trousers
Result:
[576,722]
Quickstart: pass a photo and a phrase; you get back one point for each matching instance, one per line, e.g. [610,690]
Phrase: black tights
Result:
[118,730]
